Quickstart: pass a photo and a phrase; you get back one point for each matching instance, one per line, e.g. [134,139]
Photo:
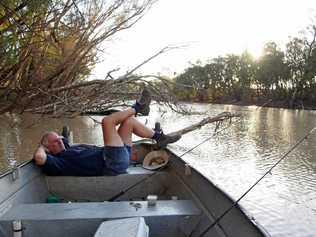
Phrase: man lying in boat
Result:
[56,157]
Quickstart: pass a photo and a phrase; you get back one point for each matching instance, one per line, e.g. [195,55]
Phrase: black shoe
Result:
[164,140]
[144,102]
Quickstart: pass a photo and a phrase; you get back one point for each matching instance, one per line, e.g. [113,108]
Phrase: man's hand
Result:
[40,155]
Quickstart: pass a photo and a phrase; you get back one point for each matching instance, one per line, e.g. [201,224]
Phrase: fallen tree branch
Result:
[52,56]
[218,118]
[163,50]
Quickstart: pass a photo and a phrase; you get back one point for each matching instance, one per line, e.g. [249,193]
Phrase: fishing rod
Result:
[268,172]
[113,198]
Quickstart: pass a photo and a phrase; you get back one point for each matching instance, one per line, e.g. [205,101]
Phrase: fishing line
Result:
[268,172]
[217,125]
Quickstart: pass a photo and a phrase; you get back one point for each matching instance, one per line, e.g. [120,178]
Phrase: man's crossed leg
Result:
[118,142]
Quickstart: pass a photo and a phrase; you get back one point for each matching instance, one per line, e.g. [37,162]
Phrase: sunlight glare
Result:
[215,30]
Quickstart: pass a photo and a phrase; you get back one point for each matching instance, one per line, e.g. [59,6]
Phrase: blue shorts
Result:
[116,159]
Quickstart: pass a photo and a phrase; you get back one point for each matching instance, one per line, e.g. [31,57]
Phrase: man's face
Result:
[55,144]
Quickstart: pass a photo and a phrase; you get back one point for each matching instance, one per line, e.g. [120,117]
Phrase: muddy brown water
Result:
[284,202]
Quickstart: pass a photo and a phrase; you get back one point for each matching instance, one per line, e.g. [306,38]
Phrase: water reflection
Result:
[284,202]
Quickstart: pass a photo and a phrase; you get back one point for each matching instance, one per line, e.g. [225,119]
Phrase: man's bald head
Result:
[53,142]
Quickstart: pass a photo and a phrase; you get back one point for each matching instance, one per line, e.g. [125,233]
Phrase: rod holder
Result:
[17,228]
[187,170]
[152,200]
[15,173]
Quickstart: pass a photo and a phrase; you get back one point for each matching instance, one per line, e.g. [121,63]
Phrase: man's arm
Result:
[40,155]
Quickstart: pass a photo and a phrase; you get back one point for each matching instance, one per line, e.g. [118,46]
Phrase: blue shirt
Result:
[77,160]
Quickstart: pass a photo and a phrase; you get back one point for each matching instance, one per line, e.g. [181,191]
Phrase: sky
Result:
[207,29]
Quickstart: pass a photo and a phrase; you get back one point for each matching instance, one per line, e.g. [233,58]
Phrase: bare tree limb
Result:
[218,118]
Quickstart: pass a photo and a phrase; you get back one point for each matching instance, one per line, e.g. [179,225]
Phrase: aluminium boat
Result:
[175,200]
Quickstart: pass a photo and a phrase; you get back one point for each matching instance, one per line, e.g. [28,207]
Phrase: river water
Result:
[284,202]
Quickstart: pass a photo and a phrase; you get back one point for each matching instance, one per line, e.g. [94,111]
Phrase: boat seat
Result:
[102,188]
[99,210]
[129,227]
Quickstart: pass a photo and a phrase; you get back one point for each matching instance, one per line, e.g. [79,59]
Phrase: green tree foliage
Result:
[192,80]
[272,71]
[301,58]
[246,76]
[215,71]
[47,45]
[286,77]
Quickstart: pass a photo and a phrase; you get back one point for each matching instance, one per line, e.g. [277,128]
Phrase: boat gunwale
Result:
[238,205]
[11,170]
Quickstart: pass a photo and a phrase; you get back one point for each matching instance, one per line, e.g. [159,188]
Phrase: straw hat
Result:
[155,159]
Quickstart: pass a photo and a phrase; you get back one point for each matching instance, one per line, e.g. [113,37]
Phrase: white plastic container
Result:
[128,227]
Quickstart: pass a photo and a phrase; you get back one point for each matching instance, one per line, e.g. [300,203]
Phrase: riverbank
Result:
[272,104]
[281,104]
